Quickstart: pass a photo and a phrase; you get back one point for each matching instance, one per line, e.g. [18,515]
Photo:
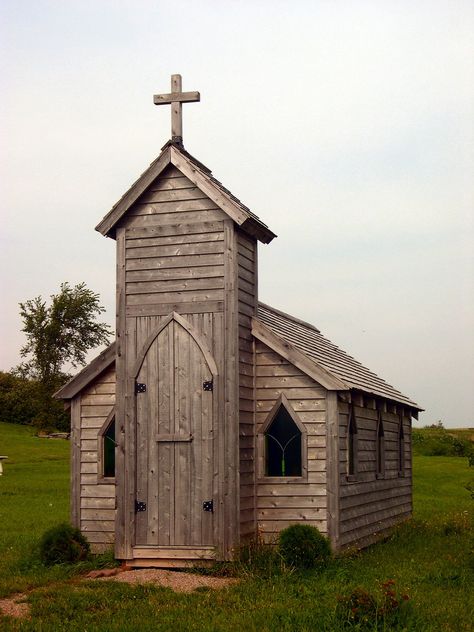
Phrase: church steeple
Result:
[176,98]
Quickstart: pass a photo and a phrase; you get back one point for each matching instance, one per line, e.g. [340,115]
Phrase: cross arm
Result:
[176,97]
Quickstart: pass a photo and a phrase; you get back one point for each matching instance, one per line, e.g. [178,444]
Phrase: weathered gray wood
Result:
[332,456]
[75,460]
[176,98]
[157,309]
[100,364]
[296,357]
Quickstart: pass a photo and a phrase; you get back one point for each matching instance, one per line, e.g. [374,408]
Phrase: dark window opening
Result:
[352,444]
[380,446]
[283,446]
[401,448]
[109,450]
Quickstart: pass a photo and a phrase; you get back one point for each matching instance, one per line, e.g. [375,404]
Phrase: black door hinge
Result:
[139,506]
[208,505]
[140,388]
[208,385]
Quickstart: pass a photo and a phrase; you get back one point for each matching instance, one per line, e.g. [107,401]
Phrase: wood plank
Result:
[155,263]
[175,250]
[176,274]
[170,219]
[176,207]
[193,296]
[174,230]
[98,491]
[171,195]
[183,308]
[97,514]
[175,552]
[297,502]
[97,503]
[150,241]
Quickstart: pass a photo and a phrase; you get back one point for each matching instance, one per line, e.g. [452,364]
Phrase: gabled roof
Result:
[308,340]
[99,364]
[173,153]
[301,343]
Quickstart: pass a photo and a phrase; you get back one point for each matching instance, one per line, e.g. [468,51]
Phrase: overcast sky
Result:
[347,126]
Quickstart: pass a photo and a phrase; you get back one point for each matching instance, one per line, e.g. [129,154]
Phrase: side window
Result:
[283,442]
[380,447]
[352,443]
[106,449]
[401,447]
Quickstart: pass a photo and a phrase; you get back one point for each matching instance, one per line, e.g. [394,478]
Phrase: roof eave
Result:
[321,375]
[97,366]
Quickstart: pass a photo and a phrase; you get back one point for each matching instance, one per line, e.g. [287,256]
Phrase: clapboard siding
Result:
[371,504]
[283,502]
[247,304]
[179,255]
[96,499]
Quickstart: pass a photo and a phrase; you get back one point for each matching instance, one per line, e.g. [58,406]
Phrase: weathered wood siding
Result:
[93,501]
[248,297]
[370,506]
[176,252]
[279,502]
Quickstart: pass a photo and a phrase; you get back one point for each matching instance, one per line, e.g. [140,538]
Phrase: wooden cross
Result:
[176,98]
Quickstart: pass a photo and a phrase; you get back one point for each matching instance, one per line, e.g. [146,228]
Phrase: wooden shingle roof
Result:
[174,154]
[309,341]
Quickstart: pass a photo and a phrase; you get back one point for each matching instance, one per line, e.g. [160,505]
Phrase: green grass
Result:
[430,558]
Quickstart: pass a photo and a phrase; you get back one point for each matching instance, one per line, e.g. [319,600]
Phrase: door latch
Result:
[139,506]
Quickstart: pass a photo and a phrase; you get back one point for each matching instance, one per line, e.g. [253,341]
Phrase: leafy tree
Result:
[60,333]
[56,335]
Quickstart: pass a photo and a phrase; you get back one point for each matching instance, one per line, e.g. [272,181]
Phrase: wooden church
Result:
[214,419]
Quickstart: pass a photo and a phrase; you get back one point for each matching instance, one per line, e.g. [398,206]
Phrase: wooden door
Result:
[175,441]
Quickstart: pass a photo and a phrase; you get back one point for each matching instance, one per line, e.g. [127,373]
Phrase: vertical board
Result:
[247,307]
[174,459]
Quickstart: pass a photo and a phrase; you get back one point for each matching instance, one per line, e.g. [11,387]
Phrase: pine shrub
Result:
[63,544]
[303,546]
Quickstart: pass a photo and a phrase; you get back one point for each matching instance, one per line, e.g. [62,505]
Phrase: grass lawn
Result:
[430,559]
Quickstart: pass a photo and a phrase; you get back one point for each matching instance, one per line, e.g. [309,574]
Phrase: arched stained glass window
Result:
[109,444]
[106,450]
[283,445]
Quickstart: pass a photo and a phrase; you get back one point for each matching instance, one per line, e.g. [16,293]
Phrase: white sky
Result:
[347,126]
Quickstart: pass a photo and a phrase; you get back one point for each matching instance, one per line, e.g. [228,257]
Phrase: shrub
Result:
[303,546]
[63,544]
[363,610]
[437,441]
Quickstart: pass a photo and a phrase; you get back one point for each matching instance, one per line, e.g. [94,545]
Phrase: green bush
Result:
[303,546]
[436,441]
[28,402]
[63,544]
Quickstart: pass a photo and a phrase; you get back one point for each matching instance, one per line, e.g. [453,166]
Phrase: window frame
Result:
[380,446]
[100,450]
[401,447]
[261,444]
[352,472]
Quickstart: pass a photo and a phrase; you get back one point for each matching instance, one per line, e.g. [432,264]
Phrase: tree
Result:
[59,334]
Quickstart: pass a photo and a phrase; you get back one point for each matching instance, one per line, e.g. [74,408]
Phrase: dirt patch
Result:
[178,581]
[15,606]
